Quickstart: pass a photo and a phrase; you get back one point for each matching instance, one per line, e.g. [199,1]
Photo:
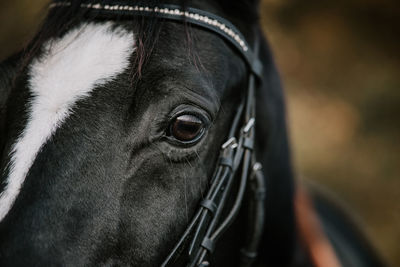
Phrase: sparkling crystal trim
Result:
[173,12]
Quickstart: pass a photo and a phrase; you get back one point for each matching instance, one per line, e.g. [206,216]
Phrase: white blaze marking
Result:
[69,70]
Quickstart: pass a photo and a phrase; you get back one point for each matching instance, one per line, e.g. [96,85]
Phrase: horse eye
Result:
[186,128]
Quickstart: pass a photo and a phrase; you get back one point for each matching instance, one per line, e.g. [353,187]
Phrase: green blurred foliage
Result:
[340,65]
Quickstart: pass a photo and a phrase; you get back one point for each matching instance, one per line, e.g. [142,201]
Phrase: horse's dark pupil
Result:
[186,127]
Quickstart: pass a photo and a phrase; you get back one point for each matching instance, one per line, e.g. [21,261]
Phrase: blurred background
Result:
[340,66]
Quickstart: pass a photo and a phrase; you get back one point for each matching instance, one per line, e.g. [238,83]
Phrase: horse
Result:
[120,118]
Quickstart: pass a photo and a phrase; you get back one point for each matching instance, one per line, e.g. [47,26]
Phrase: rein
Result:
[237,158]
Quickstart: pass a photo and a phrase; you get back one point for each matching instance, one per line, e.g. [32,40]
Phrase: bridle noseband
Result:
[237,157]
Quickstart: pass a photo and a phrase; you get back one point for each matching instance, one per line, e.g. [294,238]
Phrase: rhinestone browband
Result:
[161,10]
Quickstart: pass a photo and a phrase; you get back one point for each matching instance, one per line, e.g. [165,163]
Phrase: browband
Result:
[190,15]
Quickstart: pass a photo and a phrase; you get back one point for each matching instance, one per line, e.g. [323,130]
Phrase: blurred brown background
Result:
[340,63]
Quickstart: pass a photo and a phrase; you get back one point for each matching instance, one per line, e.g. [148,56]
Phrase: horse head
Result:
[112,129]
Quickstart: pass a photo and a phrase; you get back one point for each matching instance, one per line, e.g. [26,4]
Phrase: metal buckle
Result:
[232,142]
[257,166]
[249,125]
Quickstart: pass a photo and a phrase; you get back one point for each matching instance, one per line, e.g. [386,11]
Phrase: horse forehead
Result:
[68,70]
[72,65]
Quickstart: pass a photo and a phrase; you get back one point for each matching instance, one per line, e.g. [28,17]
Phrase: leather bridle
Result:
[237,157]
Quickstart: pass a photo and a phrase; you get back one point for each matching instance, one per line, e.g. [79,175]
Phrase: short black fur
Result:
[105,189]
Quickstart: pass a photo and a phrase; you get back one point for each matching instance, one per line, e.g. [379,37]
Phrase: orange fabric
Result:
[311,233]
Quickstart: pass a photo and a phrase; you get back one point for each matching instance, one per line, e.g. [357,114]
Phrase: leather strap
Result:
[204,19]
